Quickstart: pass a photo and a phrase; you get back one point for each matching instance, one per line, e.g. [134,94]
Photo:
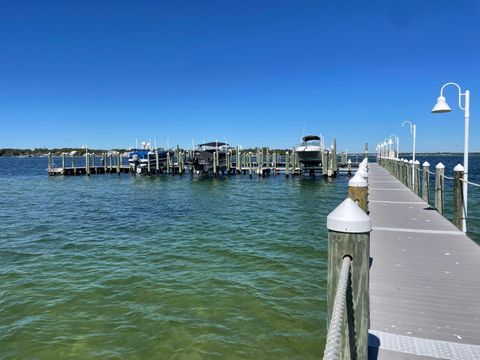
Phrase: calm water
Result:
[113,266]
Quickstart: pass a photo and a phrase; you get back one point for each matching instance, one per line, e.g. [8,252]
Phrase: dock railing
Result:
[349,229]
[403,169]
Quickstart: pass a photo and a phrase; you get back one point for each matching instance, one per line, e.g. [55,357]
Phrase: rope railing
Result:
[469,182]
[447,177]
[334,330]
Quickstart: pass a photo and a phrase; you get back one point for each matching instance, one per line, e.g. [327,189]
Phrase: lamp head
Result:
[441,106]
[390,142]
[384,143]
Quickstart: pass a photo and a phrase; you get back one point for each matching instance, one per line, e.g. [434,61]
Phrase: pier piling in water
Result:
[349,236]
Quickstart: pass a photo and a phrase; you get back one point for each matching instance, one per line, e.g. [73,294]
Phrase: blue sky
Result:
[252,72]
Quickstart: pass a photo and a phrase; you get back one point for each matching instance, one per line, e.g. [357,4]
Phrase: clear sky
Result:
[252,72]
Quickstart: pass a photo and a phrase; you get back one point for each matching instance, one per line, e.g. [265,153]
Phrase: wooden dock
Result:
[424,278]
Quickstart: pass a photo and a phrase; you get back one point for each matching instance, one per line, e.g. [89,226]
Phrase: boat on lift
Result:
[310,150]
[139,158]
[204,156]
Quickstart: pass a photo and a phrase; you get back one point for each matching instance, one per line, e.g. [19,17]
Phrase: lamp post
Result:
[397,142]
[441,107]
[413,131]
[390,142]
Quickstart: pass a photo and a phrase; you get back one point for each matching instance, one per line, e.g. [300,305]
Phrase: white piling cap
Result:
[440,166]
[410,161]
[362,172]
[426,163]
[349,161]
[405,161]
[459,167]
[357,181]
[417,162]
[349,218]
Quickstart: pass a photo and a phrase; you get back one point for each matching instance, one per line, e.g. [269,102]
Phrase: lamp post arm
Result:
[460,94]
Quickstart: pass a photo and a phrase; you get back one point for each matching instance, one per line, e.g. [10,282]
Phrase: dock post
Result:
[168,161]
[250,165]
[416,168]
[259,163]
[238,166]
[274,162]
[63,163]
[349,167]
[406,173]
[426,182]
[366,150]
[334,158]
[268,160]
[215,163]
[459,218]
[439,183]
[325,162]
[120,162]
[87,163]
[104,157]
[148,163]
[287,164]
[349,236]
[157,162]
[358,191]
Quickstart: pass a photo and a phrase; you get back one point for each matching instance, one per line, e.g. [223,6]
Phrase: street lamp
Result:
[397,142]
[390,142]
[413,131]
[441,107]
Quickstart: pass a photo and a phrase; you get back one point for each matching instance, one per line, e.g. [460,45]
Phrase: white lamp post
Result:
[413,131]
[397,142]
[390,142]
[441,107]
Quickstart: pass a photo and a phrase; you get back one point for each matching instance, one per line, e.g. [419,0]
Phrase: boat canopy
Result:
[310,138]
[213,144]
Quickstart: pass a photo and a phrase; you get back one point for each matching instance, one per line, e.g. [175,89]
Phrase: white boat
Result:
[310,150]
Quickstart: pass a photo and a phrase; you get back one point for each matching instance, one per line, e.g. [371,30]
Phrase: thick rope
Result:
[334,331]
[469,183]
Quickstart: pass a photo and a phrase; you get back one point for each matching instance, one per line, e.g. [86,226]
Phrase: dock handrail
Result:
[332,347]
[402,169]
[469,182]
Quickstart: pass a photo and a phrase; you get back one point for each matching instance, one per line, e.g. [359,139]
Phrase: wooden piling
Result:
[287,164]
[358,191]
[63,164]
[416,169]
[426,182]
[87,163]
[325,162]
[458,214]
[349,235]
[334,158]
[439,183]
[168,161]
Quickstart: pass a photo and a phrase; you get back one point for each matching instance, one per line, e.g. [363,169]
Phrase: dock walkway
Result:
[424,278]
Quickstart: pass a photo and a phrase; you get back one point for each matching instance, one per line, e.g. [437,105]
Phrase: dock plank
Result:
[424,278]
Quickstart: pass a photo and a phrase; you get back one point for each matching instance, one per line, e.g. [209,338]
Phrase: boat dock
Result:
[424,278]
[261,162]
[403,280]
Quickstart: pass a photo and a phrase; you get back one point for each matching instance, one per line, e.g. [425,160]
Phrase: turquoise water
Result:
[132,267]
[165,267]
